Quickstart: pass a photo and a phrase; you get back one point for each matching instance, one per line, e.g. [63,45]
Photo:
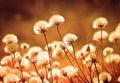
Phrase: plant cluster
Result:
[33,64]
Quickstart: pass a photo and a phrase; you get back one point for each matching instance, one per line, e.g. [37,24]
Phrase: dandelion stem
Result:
[62,40]
[97,72]
[46,72]
[78,63]
[90,74]
[36,69]
[49,57]
[12,57]
[73,66]
[101,47]
[21,75]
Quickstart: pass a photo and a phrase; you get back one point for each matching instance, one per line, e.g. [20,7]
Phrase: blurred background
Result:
[19,16]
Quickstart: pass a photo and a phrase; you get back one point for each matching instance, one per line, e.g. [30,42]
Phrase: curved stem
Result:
[36,70]
[62,40]
[78,63]
[49,57]
[73,66]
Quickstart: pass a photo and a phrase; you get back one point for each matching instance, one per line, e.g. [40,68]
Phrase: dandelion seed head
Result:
[43,58]
[25,63]
[58,52]
[40,27]
[95,80]
[6,60]
[97,35]
[105,76]
[53,45]
[71,71]
[100,22]
[70,48]
[35,80]
[107,51]
[4,70]
[14,71]
[56,64]
[88,48]
[26,75]
[118,79]
[80,55]
[11,78]
[113,37]
[34,51]
[56,73]
[113,58]
[10,38]
[11,48]
[24,46]
[69,38]
[117,30]
[42,73]
[56,20]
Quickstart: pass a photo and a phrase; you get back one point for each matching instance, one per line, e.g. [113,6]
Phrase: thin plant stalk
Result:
[64,44]
[71,80]
[12,57]
[90,74]
[73,66]
[78,63]
[111,65]
[49,57]
[101,44]
[97,72]
[62,39]
[12,65]
[21,72]
[46,71]
[36,69]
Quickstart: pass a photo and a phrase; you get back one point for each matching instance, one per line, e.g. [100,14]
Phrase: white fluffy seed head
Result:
[40,27]
[56,20]
[100,22]
[97,35]
[10,38]
[70,38]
